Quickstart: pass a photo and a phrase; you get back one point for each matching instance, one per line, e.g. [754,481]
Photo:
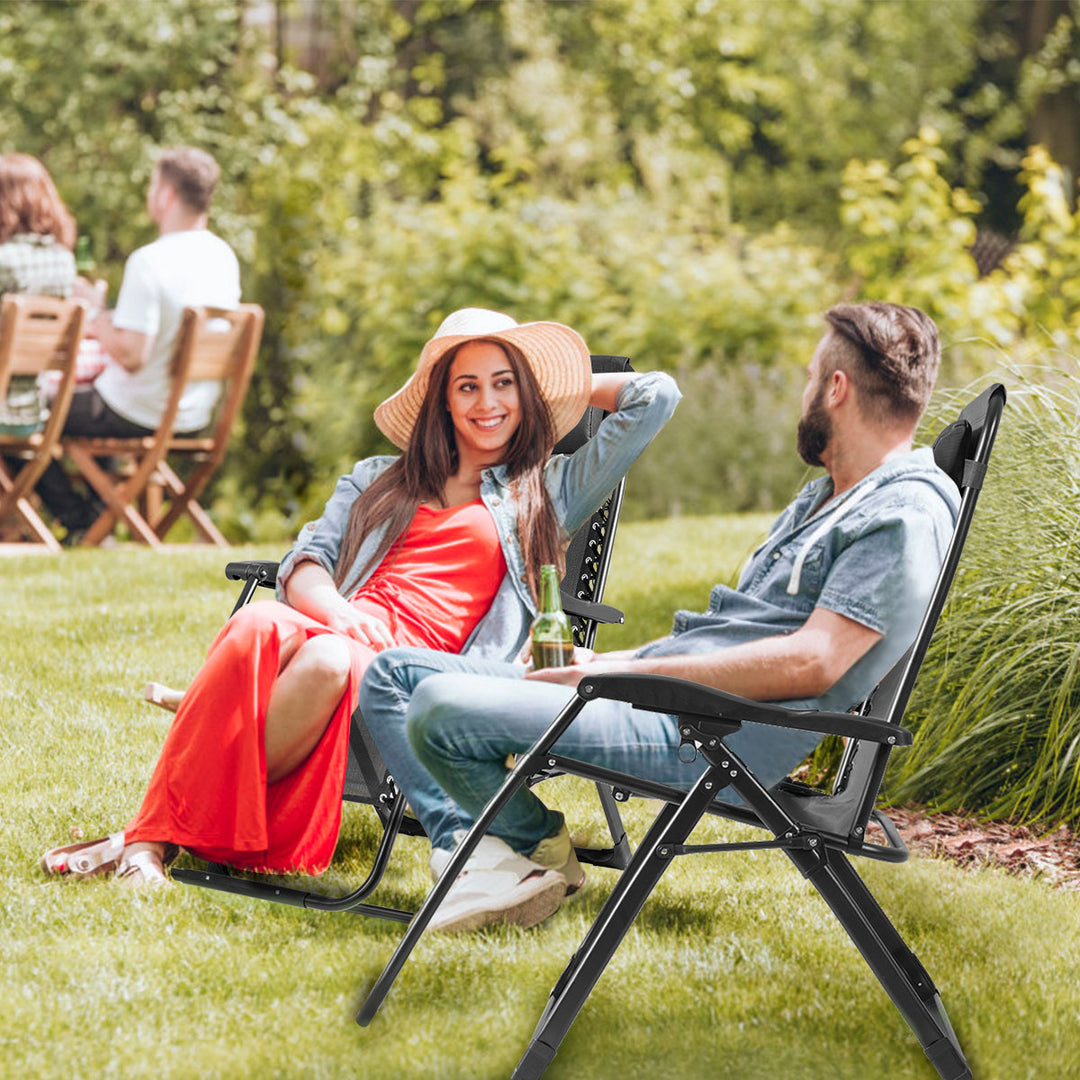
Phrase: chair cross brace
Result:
[808,841]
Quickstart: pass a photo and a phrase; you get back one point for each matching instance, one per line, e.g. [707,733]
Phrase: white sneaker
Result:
[498,886]
[554,852]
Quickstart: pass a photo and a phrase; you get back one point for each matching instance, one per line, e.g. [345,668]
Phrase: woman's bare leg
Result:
[303,701]
[313,675]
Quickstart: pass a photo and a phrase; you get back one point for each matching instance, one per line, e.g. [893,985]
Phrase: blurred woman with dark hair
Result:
[37,235]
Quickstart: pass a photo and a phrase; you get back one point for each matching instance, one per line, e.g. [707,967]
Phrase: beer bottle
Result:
[84,258]
[552,638]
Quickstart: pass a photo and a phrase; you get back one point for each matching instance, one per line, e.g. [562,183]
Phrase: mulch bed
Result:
[1053,857]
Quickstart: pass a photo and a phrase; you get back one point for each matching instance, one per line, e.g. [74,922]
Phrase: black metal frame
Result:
[368,780]
[815,830]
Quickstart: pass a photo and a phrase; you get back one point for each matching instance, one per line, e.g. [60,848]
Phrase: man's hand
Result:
[586,662]
[92,292]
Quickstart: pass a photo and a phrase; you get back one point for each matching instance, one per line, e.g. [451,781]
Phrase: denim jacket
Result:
[873,554]
[577,484]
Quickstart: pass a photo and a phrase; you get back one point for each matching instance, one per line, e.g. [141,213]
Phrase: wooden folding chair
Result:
[37,334]
[816,830]
[212,344]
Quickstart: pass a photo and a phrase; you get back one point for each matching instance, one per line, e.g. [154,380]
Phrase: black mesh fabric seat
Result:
[817,830]
[367,779]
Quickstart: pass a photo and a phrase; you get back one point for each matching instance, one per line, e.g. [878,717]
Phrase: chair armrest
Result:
[589,609]
[662,693]
[261,570]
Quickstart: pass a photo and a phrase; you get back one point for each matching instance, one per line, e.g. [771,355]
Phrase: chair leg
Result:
[218,878]
[527,765]
[897,968]
[117,499]
[13,501]
[616,857]
[183,502]
[653,856]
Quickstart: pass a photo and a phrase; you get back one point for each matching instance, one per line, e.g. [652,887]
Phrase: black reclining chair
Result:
[817,831]
[367,779]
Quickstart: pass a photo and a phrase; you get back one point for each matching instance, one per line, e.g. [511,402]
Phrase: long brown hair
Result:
[431,458]
[30,203]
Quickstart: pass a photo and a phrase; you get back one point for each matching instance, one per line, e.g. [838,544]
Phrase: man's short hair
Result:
[192,174]
[891,354]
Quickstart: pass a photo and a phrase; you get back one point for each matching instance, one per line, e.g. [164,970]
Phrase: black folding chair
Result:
[367,779]
[817,831]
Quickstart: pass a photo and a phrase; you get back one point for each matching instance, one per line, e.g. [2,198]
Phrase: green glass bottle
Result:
[84,258]
[552,637]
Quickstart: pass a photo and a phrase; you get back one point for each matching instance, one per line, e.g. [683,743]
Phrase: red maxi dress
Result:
[209,792]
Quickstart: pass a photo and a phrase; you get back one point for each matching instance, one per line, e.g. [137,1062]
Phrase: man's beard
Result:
[815,431]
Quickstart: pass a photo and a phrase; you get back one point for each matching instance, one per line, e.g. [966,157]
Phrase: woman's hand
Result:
[360,627]
[606,387]
[311,590]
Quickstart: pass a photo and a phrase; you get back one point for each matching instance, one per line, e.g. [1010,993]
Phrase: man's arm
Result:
[129,348]
[802,664]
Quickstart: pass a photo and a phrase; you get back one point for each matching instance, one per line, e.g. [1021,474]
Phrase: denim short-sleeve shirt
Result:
[872,554]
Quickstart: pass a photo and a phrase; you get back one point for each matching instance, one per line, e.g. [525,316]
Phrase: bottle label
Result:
[547,654]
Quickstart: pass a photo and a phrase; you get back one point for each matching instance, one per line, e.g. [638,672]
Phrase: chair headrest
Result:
[958,442]
[951,449]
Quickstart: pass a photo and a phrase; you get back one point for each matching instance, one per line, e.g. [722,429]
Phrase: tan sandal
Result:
[165,696]
[141,870]
[89,859]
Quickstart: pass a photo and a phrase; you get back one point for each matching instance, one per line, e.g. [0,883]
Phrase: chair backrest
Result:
[215,344]
[41,333]
[962,450]
[589,554]
[587,560]
[38,333]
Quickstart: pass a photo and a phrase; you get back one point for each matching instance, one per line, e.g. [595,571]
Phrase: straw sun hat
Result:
[556,355]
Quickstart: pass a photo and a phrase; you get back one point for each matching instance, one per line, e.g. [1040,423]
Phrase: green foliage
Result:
[908,238]
[909,235]
[660,175]
[779,96]
[1045,267]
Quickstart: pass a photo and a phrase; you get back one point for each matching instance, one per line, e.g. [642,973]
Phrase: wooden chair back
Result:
[216,344]
[37,334]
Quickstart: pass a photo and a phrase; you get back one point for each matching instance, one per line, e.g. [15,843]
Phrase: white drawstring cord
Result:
[854,496]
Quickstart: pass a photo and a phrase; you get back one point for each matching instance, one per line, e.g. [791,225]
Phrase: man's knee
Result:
[379,678]
[394,675]
[434,706]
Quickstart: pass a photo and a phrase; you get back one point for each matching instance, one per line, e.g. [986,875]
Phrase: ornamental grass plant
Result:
[996,710]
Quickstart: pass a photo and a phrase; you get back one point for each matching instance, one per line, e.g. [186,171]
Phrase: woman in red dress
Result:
[412,550]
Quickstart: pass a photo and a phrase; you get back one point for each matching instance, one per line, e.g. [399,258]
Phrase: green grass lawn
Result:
[735,969]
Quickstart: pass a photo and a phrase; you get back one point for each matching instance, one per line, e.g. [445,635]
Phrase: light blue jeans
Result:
[444,725]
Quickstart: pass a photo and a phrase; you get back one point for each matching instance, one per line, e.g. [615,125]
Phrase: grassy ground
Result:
[734,970]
